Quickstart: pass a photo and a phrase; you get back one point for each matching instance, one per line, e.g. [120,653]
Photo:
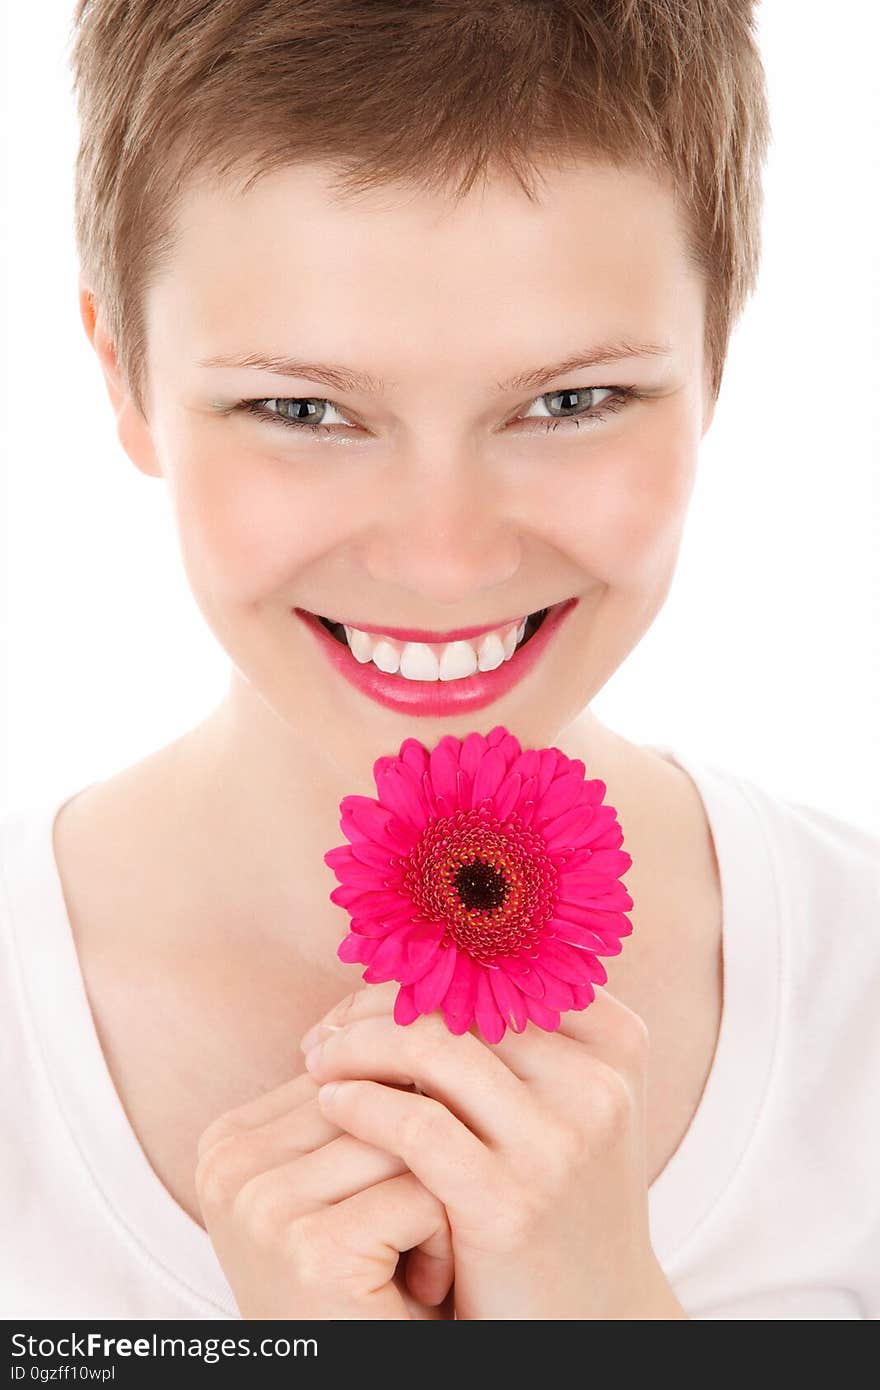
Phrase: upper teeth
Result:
[445,661]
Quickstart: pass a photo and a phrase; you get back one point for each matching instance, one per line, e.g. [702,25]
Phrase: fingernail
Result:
[318,1033]
[313,1054]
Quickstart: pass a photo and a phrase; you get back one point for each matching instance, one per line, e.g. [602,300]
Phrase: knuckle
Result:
[310,1253]
[635,1039]
[259,1210]
[218,1129]
[610,1105]
[341,1013]
[423,1125]
[215,1179]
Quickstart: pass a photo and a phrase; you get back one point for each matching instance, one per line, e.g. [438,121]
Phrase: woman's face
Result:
[440,499]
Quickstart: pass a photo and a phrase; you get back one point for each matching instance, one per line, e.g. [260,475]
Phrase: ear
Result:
[131,427]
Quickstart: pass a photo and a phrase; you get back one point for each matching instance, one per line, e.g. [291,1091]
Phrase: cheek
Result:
[630,508]
[247,525]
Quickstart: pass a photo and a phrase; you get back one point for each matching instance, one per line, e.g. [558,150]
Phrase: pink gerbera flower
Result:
[485,880]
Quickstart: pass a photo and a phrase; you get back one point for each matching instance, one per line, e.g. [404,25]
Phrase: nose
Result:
[442,533]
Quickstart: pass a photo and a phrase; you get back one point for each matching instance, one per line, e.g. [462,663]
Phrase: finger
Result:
[430,1269]
[459,1070]
[430,1140]
[611,1034]
[319,1179]
[366,1002]
[246,1151]
[605,1024]
[601,1023]
[263,1108]
[379,1223]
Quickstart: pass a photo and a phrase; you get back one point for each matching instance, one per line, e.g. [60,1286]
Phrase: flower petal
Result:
[565,829]
[583,995]
[576,935]
[545,1018]
[430,796]
[357,875]
[510,749]
[430,989]
[599,975]
[405,1010]
[397,792]
[489,776]
[583,887]
[357,948]
[612,838]
[528,764]
[527,981]
[560,796]
[367,852]
[507,795]
[388,959]
[548,759]
[613,899]
[514,965]
[473,750]
[604,864]
[528,789]
[486,1011]
[604,818]
[511,1004]
[496,735]
[422,948]
[381,924]
[367,901]
[564,961]
[465,786]
[443,772]
[595,790]
[608,925]
[461,996]
[557,994]
[362,817]
[415,755]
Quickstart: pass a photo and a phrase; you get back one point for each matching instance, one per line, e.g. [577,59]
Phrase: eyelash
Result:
[620,398]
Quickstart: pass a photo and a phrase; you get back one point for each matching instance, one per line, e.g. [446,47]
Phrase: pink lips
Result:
[434,699]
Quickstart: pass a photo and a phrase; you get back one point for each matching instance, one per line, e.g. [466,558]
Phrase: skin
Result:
[429,508]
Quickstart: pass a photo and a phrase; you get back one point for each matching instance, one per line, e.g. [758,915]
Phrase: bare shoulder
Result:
[109,842]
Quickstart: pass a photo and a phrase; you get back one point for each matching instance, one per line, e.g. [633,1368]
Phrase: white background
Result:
[766,657]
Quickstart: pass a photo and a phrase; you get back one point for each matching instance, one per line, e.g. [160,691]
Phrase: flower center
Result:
[480,885]
[490,882]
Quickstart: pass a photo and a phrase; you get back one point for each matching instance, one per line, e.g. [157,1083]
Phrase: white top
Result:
[769,1208]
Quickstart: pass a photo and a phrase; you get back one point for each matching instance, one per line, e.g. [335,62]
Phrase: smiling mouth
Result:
[339,633]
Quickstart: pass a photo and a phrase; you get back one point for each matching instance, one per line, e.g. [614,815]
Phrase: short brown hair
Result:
[433,93]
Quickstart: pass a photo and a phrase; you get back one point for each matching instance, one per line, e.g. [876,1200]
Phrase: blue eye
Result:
[617,397]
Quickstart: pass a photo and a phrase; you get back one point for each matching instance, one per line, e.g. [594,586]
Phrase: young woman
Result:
[420,314]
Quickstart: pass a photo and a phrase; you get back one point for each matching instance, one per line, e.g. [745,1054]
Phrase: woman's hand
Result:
[309,1222]
[535,1145]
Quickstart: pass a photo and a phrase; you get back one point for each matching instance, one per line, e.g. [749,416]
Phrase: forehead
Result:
[416,274]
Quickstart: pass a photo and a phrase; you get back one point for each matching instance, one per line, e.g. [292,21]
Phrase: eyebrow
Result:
[348,379]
